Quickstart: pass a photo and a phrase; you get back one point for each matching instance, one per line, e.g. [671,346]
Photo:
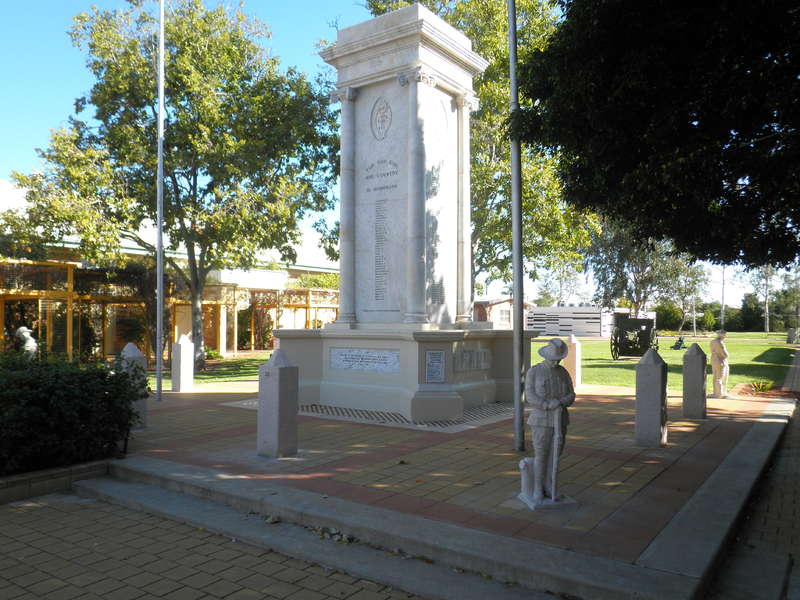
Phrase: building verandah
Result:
[74,311]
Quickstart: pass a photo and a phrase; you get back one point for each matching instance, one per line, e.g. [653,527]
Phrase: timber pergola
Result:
[45,283]
[275,302]
[59,299]
[49,287]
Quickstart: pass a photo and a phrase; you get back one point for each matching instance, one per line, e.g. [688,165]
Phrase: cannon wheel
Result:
[615,343]
[654,339]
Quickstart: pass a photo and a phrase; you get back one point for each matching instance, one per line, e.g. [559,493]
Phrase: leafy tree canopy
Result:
[328,281]
[622,267]
[247,151]
[552,231]
[18,239]
[680,118]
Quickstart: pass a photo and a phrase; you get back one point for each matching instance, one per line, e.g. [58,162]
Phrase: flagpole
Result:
[516,235]
[160,210]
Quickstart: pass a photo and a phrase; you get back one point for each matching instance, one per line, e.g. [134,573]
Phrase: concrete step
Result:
[359,560]
[532,565]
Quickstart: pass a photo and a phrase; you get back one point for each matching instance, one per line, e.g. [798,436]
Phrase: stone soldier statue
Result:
[27,344]
[719,364]
[549,391]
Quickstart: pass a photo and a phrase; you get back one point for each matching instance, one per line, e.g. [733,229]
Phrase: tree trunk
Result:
[766,312]
[797,315]
[197,326]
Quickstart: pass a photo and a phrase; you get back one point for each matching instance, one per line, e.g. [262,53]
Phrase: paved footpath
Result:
[771,524]
[62,547]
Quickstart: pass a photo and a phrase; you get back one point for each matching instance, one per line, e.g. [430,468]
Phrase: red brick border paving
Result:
[626,494]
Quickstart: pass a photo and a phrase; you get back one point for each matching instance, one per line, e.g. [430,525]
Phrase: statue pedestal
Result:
[424,375]
[546,503]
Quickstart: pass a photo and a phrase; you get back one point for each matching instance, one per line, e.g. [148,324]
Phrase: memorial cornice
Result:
[419,32]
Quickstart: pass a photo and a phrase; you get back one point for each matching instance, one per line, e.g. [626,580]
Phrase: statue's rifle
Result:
[557,435]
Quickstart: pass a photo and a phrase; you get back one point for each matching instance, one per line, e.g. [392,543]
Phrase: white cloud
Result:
[11,197]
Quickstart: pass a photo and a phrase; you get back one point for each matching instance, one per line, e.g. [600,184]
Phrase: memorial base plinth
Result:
[424,375]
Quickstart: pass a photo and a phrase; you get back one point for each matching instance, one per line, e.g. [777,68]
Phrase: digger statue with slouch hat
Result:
[720,369]
[548,391]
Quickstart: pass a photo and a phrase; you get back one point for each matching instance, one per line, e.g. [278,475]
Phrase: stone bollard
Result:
[134,363]
[694,383]
[791,335]
[183,365]
[572,363]
[651,401]
[277,407]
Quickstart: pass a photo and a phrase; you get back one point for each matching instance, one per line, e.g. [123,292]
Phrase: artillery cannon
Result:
[633,337]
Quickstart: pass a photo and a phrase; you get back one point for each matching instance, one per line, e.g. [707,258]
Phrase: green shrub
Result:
[212,354]
[707,321]
[668,316]
[55,413]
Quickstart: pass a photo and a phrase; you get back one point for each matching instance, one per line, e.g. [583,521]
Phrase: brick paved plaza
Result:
[624,492]
[61,547]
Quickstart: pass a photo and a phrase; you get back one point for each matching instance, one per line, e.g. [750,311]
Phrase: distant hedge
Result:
[55,413]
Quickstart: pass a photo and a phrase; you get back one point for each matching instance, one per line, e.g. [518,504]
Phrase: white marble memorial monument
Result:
[404,341]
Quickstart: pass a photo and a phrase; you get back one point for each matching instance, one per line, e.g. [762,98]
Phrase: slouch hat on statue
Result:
[555,349]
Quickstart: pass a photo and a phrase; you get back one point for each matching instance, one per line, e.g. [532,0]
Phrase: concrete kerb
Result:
[531,564]
[14,488]
[693,540]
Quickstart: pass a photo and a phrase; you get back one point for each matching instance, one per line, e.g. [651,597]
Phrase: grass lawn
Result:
[226,369]
[753,357]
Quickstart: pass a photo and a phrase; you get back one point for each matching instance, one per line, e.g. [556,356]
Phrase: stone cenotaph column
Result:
[404,341]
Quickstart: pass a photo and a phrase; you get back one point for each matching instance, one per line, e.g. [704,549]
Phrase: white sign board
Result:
[434,366]
[365,359]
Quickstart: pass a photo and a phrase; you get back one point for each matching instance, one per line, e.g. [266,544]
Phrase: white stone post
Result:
[183,365]
[135,364]
[416,311]
[651,400]
[572,363]
[278,384]
[347,211]
[694,383]
[464,104]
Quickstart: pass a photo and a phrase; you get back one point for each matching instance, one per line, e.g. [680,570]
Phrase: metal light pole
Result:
[722,309]
[516,235]
[160,210]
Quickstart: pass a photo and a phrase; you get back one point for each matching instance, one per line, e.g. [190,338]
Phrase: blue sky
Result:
[43,73]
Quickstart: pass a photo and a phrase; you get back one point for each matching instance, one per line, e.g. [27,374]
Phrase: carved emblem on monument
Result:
[381,118]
